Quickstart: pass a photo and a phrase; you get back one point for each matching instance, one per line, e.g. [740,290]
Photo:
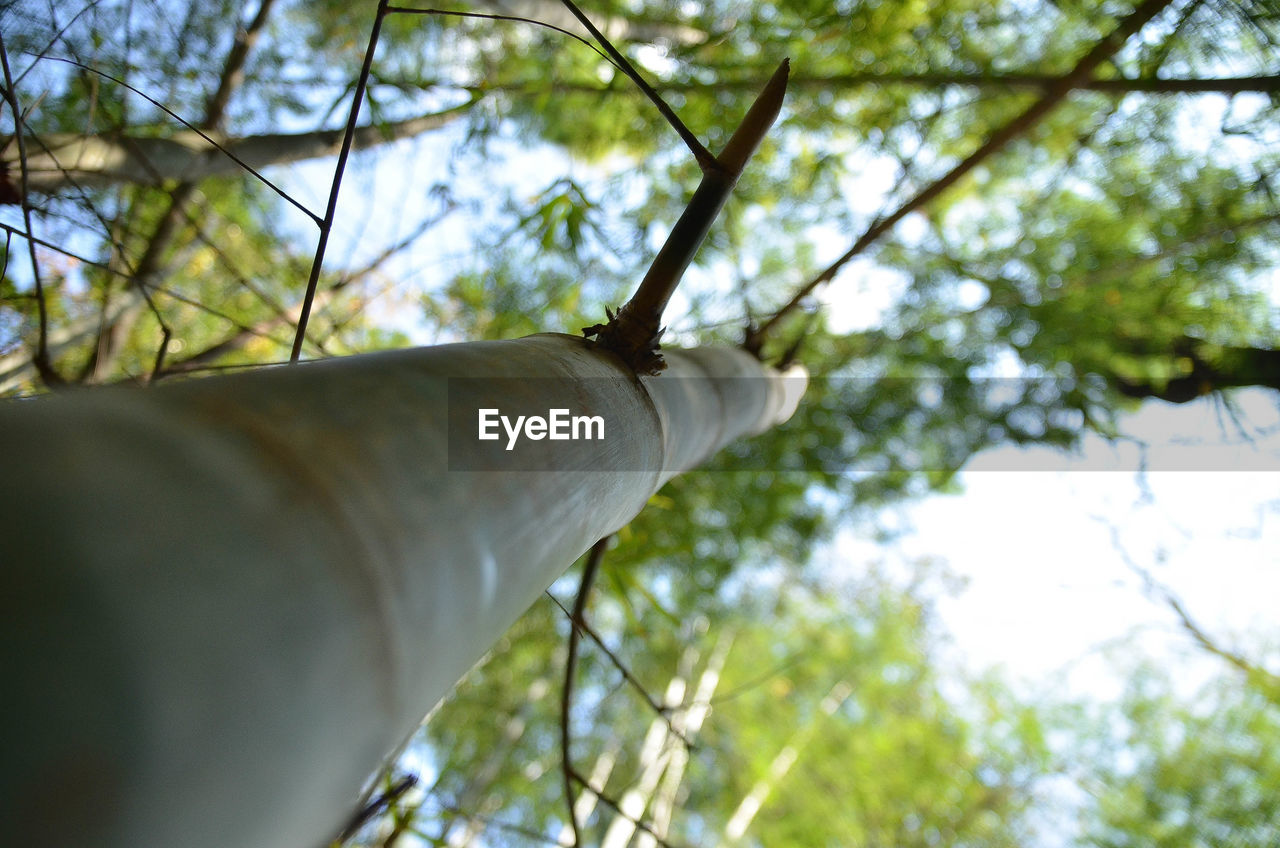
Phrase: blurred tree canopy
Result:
[1179,768]
[1120,249]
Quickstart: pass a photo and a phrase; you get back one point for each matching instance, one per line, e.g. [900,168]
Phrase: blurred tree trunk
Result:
[782,762]
[56,162]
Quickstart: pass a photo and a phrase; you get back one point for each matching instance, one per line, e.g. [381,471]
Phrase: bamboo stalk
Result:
[226,599]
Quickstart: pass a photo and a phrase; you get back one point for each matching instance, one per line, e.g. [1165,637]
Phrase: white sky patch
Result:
[654,58]
[871,178]
[1046,540]
[861,296]
[1048,553]
[863,292]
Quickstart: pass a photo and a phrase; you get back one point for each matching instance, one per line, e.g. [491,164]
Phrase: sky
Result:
[1048,542]
[1045,540]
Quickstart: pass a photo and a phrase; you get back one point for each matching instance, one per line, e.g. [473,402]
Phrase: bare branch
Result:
[197,130]
[41,358]
[705,160]
[589,572]
[377,805]
[326,225]
[111,338]
[97,160]
[659,710]
[494,16]
[613,805]
[1268,682]
[1029,81]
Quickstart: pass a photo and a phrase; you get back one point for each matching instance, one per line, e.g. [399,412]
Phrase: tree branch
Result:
[1043,82]
[106,159]
[659,710]
[377,805]
[705,160]
[1213,368]
[613,805]
[1266,681]
[589,572]
[614,27]
[1053,96]
[331,210]
[1030,81]
[245,333]
[111,338]
[40,358]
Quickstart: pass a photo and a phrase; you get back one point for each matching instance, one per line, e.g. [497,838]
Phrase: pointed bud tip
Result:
[776,89]
[763,112]
[779,78]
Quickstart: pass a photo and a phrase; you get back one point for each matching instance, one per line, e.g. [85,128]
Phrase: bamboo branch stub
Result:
[633,333]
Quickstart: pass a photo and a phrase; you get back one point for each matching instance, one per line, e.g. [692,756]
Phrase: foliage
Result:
[1171,770]
[846,681]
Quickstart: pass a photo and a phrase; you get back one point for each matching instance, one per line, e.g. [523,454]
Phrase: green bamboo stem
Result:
[634,332]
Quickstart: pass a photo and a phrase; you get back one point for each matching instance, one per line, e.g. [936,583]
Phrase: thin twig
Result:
[193,302]
[195,128]
[705,160]
[793,351]
[404,10]
[244,333]
[659,710]
[1263,677]
[1053,96]
[371,809]
[1268,681]
[617,808]
[57,36]
[44,367]
[166,334]
[132,274]
[8,247]
[589,572]
[326,225]
[111,338]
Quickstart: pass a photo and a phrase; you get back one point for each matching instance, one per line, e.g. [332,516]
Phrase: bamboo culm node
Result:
[634,331]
